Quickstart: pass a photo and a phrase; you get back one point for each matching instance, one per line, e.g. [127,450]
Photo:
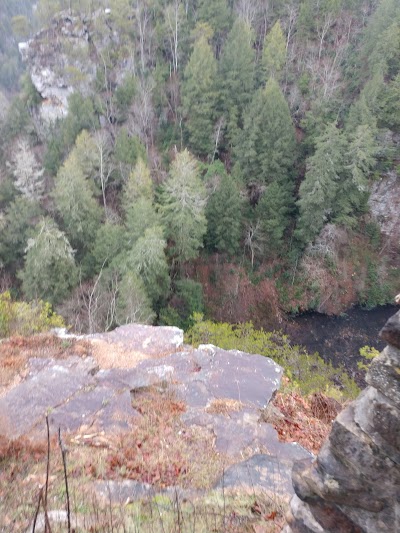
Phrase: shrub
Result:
[307,372]
[23,318]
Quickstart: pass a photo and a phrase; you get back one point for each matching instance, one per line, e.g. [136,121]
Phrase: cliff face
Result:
[353,484]
[385,208]
[59,61]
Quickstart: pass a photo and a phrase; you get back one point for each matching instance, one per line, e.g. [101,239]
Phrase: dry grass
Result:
[161,450]
[224,406]
[16,351]
[307,421]
[22,476]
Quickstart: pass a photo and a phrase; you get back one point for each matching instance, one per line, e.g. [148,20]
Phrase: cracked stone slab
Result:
[210,372]
[259,472]
[25,406]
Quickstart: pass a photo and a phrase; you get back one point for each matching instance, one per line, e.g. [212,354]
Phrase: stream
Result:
[338,339]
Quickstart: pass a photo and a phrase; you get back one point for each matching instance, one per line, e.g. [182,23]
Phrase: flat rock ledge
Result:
[90,398]
[353,486]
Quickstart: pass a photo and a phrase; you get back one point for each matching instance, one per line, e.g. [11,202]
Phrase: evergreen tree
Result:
[147,259]
[223,217]
[273,211]
[199,97]
[319,189]
[266,147]
[139,184]
[76,205]
[274,54]
[236,70]
[140,216]
[17,226]
[49,272]
[390,105]
[133,304]
[183,202]
[217,15]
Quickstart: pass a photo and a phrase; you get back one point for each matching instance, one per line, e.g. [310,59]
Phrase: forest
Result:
[217,157]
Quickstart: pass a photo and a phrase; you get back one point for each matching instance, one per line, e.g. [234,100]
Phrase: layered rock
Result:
[384,203]
[92,395]
[354,483]
[60,61]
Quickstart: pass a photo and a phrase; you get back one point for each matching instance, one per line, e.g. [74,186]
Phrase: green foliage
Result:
[23,318]
[81,116]
[75,202]
[49,272]
[133,304]
[390,105]
[147,259]
[140,216]
[236,72]
[368,353]
[274,54]
[319,189]
[139,184]
[223,214]
[307,372]
[187,300]
[266,147]
[273,211]
[128,148]
[16,228]
[216,13]
[183,200]
[124,96]
[199,97]
[376,291]
[108,244]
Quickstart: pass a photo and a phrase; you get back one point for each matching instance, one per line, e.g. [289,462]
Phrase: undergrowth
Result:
[308,373]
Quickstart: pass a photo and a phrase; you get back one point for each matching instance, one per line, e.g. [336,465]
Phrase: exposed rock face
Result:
[91,396]
[384,203]
[59,62]
[354,483]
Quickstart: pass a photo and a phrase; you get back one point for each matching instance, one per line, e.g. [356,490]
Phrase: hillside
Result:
[161,158]
[157,434]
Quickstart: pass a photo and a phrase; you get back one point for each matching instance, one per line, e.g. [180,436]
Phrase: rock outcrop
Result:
[60,60]
[91,397]
[354,483]
[384,204]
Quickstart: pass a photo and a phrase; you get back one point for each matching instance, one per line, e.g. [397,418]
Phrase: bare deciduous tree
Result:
[26,170]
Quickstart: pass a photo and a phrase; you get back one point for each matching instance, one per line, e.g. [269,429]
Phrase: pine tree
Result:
[76,205]
[274,54]
[133,304]
[183,202]
[139,184]
[236,71]
[147,259]
[273,212]
[216,13]
[50,271]
[224,223]
[199,97]
[390,105]
[319,189]
[266,147]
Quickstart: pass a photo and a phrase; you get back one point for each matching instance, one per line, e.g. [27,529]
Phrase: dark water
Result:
[338,339]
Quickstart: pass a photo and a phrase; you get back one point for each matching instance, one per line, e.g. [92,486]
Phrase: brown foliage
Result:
[306,421]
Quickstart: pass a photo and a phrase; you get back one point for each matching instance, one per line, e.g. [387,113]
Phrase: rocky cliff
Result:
[353,484]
